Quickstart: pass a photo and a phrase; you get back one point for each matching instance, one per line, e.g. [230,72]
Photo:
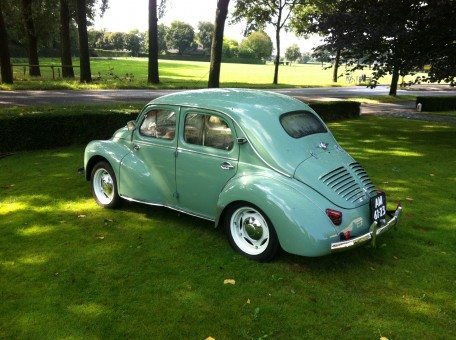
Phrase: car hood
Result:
[337,176]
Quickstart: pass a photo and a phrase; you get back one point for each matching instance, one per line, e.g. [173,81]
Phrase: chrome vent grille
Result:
[344,184]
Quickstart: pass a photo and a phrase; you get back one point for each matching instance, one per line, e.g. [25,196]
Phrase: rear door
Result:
[207,158]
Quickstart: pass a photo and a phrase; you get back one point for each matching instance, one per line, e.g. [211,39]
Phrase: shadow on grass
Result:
[71,269]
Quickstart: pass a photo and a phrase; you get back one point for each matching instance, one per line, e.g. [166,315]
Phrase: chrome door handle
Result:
[136,147]
[226,166]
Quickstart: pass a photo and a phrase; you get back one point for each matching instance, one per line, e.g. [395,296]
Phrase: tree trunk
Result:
[84,58]
[32,48]
[394,80]
[277,58]
[153,76]
[336,65]
[5,61]
[217,43]
[65,41]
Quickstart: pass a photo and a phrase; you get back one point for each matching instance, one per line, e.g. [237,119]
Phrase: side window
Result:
[159,124]
[208,130]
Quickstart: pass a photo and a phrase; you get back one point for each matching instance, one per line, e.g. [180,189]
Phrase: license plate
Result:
[378,206]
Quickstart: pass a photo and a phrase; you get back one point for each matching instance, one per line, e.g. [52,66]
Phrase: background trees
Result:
[180,36]
[258,13]
[204,34]
[293,53]
[257,45]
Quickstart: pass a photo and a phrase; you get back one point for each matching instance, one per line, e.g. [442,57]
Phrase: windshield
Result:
[301,123]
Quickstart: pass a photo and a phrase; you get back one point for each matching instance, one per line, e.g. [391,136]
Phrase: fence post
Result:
[25,70]
[58,72]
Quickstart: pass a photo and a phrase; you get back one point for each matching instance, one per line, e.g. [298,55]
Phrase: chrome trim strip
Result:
[374,232]
[167,206]
[180,149]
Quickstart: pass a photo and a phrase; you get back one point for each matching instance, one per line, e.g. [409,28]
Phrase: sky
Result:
[123,16]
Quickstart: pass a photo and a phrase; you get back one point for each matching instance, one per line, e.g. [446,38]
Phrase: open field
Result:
[132,73]
[69,269]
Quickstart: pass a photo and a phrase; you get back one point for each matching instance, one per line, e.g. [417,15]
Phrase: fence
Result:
[54,69]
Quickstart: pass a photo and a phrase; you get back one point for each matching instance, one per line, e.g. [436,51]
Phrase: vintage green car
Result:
[262,165]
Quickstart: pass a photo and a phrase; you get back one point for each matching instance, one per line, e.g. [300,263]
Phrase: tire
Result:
[251,233]
[104,185]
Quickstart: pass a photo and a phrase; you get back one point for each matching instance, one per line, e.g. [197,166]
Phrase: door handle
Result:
[226,166]
[136,147]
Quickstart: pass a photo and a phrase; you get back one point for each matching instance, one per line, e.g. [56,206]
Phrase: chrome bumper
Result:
[374,231]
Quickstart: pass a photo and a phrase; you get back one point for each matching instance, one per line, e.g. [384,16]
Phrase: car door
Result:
[207,158]
[147,174]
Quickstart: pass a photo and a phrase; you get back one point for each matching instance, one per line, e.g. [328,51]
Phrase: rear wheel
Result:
[251,233]
[104,185]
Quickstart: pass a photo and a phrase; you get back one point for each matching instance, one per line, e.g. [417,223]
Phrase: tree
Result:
[133,42]
[65,40]
[257,45]
[293,53]
[230,48]
[258,13]
[180,36]
[205,33]
[32,40]
[305,58]
[84,58]
[5,61]
[162,29]
[153,76]
[217,43]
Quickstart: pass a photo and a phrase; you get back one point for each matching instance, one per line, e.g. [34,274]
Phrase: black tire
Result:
[104,185]
[251,233]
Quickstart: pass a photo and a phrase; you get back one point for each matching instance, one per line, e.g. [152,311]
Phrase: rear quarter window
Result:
[299,124]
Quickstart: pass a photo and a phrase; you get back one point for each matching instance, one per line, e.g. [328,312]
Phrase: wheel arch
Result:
[94,160]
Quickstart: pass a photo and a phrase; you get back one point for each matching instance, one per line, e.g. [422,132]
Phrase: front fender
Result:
[110,150]
[296,211]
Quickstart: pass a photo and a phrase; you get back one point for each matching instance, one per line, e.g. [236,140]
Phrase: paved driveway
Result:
[27,98]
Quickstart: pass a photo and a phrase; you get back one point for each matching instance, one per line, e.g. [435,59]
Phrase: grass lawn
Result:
[69,269]
[132,73]
[384,99]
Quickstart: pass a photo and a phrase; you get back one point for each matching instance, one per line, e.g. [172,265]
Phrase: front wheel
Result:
[104,185]
[251,233]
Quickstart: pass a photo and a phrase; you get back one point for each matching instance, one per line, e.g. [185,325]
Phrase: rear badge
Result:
[323,145]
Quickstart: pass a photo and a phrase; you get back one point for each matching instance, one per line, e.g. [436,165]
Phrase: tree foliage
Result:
[292,53]
[257,45]
[180,36]
[205,34]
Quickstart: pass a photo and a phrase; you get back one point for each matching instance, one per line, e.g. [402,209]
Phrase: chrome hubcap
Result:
[249,230]
[103,186]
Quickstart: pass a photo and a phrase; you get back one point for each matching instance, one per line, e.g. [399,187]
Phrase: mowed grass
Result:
[132,73]
[70,269]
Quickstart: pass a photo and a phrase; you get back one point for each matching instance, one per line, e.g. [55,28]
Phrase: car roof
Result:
[258,114]
[238,103]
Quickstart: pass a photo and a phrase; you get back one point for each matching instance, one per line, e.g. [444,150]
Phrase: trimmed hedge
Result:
[31,132]
[41,131]
[332,111]
[436,103]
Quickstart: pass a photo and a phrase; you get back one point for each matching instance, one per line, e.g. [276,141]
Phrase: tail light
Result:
[335,216]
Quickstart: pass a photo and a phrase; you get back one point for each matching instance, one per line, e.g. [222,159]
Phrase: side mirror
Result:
[131,125]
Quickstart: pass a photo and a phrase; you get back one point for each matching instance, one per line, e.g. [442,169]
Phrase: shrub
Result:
[331,111]
[45,131]
[436,103]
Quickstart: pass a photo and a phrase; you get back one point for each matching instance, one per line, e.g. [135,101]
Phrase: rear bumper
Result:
[374,231]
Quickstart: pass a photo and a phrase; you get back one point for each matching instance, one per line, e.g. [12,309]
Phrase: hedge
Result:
[31,132]
[437,103]
[41,131]
[332,111]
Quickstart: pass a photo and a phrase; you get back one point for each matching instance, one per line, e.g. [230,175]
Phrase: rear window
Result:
[301,123]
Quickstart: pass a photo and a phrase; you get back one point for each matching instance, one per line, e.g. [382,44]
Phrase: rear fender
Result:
[296,213]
